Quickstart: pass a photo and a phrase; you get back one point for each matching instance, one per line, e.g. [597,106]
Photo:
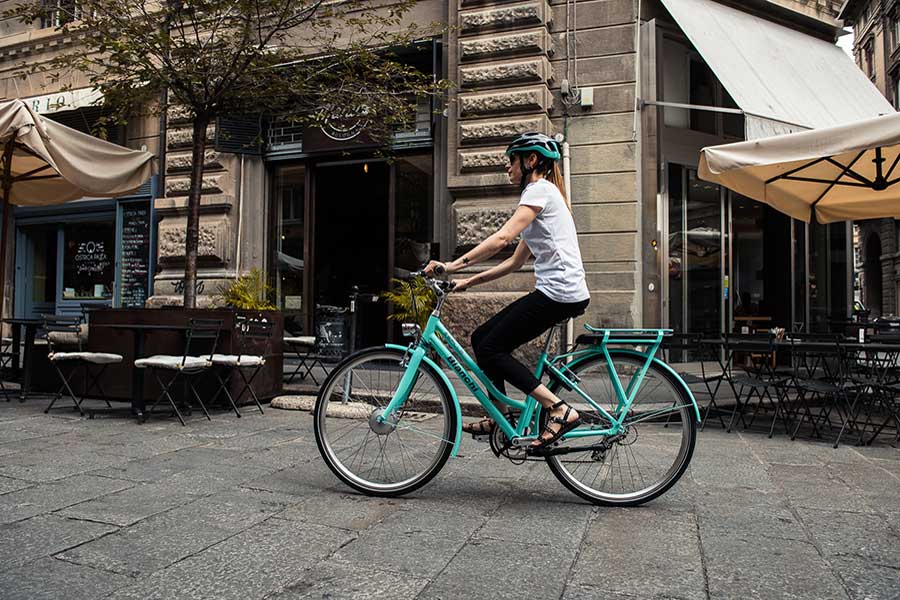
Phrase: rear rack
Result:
[598,335]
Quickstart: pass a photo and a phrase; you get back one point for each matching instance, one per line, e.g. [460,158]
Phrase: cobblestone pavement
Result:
[245,509]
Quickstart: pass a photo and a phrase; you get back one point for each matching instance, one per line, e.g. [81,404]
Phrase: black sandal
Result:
[565,427]
[482,427]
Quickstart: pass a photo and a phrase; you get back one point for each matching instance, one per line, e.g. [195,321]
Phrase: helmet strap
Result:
[526,172]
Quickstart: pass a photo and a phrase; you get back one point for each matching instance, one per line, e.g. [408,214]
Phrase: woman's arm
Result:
[517,223]
[513,263]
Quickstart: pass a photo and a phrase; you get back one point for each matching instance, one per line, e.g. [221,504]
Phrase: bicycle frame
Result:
[437,337]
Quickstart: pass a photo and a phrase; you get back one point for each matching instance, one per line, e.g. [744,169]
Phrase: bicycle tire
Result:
[378,361]
[659,429]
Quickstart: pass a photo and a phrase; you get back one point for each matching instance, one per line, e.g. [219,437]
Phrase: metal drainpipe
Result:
[567,182]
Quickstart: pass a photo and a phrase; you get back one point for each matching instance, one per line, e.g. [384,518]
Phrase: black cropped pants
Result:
[520,322]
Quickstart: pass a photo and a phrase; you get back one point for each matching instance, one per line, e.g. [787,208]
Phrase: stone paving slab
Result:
[162,540]
[252,564]
[740,566]
[131,505]
[51,579]
[510,568]
[44,536]
[647,548]
[334,579]
[7,484]
[46,498]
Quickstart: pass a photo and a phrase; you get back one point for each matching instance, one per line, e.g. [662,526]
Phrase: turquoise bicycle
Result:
[387,418]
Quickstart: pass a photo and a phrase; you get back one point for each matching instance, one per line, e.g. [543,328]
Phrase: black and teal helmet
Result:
[532,141]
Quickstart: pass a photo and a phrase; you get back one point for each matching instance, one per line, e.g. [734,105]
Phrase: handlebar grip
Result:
[439,270]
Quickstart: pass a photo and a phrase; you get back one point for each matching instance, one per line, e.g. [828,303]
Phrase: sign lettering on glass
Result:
[91,257]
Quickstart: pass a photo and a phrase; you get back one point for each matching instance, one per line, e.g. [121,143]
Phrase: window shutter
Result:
[241,135]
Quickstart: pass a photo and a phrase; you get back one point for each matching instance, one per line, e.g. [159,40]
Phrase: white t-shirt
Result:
[553,241]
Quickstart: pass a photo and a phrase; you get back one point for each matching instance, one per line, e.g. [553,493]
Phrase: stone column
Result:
[219,215]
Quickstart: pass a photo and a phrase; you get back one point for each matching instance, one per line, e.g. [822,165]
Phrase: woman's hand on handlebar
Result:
[461,285]
[435,268]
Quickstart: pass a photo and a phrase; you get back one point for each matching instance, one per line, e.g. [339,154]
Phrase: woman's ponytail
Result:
[552,173]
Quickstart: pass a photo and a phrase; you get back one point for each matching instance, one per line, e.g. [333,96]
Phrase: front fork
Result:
[401,394]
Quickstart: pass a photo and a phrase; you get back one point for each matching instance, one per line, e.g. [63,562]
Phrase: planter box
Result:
[117,378]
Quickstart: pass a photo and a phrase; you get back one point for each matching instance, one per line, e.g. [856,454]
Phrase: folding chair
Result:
[184,367]
[6,364]
[252,333]
[822,381]
[757,377]
[689,346]
[64,331]
[305,349]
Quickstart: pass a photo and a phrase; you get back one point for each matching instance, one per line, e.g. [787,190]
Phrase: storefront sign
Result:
[91,257]
[61,101]
[135,265]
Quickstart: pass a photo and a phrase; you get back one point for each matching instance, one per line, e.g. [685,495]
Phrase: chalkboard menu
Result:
[135,276]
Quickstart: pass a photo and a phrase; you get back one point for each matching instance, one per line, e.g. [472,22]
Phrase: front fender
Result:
[440,372]
[656,361]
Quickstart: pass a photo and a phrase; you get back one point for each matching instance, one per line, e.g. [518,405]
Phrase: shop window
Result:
[290,190]
[869,57]
[60,13]
[88,260]
[414,205]
[687,79]
[894,31]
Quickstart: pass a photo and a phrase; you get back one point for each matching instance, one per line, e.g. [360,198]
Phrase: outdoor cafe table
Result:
[31,327]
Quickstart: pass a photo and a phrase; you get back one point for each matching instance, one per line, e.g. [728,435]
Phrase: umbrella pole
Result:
[7,216]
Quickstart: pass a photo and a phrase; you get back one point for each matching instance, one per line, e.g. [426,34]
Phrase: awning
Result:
[783,80]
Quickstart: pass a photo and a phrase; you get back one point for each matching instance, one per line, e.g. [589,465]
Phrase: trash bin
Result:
[333,331]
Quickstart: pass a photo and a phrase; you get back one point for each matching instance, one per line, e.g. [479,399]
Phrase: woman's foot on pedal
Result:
[477,428]
[562,419]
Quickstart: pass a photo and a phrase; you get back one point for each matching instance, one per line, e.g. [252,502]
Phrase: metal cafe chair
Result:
[705,383]
[252,332]
[185,367]
[66,331]
[751,359]
[819,381]
[6,364]
[305,349]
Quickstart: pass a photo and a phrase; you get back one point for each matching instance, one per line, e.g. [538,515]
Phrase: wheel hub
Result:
[382,427]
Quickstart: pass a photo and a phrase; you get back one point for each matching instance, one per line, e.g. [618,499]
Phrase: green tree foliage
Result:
[311,62]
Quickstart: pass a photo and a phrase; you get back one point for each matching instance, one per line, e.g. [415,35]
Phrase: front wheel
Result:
[652,452]
[386,457]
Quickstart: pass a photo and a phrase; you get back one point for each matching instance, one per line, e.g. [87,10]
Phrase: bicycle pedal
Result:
[484,438]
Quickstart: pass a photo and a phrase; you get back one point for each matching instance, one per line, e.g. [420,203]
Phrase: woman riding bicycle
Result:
[544,220]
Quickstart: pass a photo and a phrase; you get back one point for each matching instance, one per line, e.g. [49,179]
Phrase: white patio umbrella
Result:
[45,163]
[841,173]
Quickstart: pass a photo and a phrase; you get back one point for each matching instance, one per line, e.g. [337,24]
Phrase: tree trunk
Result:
[192,236]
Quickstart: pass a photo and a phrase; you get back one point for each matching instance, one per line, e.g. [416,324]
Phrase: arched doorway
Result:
[872,275]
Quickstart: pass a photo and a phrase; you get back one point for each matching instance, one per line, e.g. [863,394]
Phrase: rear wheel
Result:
[397,455]
[652,452]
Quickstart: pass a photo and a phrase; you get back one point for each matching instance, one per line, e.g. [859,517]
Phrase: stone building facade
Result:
[876,48]
[557,66]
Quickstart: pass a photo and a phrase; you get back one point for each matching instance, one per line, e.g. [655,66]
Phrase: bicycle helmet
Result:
[544,146]
[535,142]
